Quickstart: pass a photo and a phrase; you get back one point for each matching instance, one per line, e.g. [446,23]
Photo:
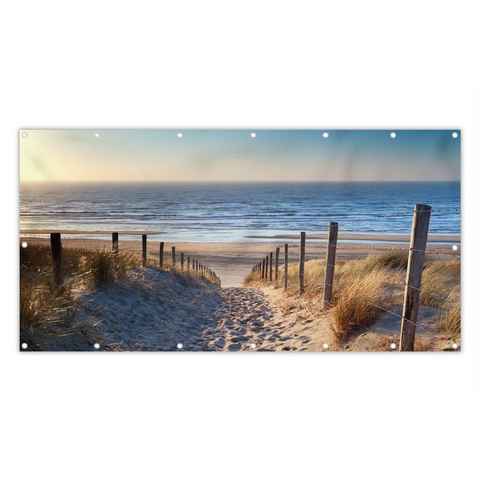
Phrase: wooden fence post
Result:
[182,259]
[144,249]
[416,258]
[330,264]
[188,263]
[277,256]
[162,247]
[301,264]
[174,260]
[56,249]
[266,268]
[285,279]
[263,268]
[271,266]
[115,242]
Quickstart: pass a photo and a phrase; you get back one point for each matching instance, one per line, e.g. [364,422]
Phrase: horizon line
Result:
[228,181]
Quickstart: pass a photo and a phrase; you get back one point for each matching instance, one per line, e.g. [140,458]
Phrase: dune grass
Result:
[365,288]
[438,279]
[450,320]
[42,302]
[395,259]
[441,290]
[106,267]
[359,301]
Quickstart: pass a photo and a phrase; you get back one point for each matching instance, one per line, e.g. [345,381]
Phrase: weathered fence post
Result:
[115,242]
[144,249]
[263,268]
[416,258]
[285,279]
[330,264]
[56,248]
[174,260]
[277,256]
[301,264]
[266,268]
[188,263]
[162,247]
[182,259]
[271,266]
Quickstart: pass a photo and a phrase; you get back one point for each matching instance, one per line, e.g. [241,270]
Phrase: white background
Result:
[252,64]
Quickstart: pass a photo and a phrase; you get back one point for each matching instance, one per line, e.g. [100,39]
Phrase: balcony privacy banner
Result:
[241,240]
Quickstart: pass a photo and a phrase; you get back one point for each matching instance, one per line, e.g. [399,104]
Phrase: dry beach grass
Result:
[108,298]
[50,315]
[370,290]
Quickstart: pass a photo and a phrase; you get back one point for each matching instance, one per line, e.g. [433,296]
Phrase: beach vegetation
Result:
[369,288]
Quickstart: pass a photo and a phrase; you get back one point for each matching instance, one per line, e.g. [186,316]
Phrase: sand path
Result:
[154,310]
[255,319]
[247,320]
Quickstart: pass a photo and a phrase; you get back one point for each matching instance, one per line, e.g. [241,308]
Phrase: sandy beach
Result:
[232,261]
[153,310]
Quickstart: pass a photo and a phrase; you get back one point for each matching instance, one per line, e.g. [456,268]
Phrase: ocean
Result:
[237,211]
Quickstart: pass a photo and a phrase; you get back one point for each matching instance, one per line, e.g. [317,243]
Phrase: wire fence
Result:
[178,261]
[409,320]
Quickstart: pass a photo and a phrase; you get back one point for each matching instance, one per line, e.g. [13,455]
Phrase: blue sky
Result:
[236,155]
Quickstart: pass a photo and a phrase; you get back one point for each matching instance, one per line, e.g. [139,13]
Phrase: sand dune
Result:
[162,311]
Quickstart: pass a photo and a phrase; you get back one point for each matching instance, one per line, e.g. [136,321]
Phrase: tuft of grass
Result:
[251,277]
[450,320]
[357,303]
[393,260]
[102,266]
[106,266]
[31,304]
[438,279]
[441,289]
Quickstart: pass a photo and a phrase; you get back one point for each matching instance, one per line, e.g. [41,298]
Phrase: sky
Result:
[238,155]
